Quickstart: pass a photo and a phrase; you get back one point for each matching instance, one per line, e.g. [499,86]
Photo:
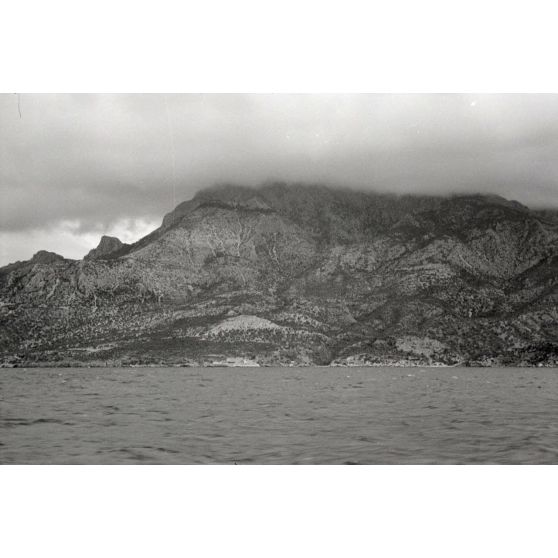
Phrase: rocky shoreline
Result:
[10,363]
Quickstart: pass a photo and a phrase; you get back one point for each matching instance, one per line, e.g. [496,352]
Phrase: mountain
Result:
[299,274]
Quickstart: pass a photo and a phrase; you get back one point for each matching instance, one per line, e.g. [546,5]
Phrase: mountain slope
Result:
[299,274]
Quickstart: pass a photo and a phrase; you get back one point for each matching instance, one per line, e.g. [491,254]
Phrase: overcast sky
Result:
[74,167]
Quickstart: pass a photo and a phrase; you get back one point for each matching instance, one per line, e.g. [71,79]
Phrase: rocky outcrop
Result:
[106,247]
[293,274]
[44,257]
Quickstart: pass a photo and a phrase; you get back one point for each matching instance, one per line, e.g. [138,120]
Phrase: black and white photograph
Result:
[282,279]
[329,241]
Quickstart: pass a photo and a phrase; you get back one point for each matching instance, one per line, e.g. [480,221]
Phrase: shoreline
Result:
[49,365]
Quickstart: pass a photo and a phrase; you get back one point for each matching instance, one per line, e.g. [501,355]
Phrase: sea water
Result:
[315,415]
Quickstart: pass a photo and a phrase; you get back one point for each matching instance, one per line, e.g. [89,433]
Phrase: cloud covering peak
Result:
[96,163]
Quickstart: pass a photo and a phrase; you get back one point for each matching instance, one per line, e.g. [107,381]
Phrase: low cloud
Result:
[100,160]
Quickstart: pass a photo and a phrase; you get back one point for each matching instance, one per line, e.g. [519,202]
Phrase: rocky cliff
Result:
[107,247]
[299,274]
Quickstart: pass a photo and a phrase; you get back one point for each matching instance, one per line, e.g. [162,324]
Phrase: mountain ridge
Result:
[345,277]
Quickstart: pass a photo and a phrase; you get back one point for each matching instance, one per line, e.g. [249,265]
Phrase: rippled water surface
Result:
[279,415]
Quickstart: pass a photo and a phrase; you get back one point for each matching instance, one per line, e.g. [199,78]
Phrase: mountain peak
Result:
[45,257]
[107,245]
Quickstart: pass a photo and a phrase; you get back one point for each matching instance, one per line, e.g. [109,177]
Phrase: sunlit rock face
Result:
[294,274]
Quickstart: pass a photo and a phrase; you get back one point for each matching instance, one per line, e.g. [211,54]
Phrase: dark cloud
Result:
[94,160]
